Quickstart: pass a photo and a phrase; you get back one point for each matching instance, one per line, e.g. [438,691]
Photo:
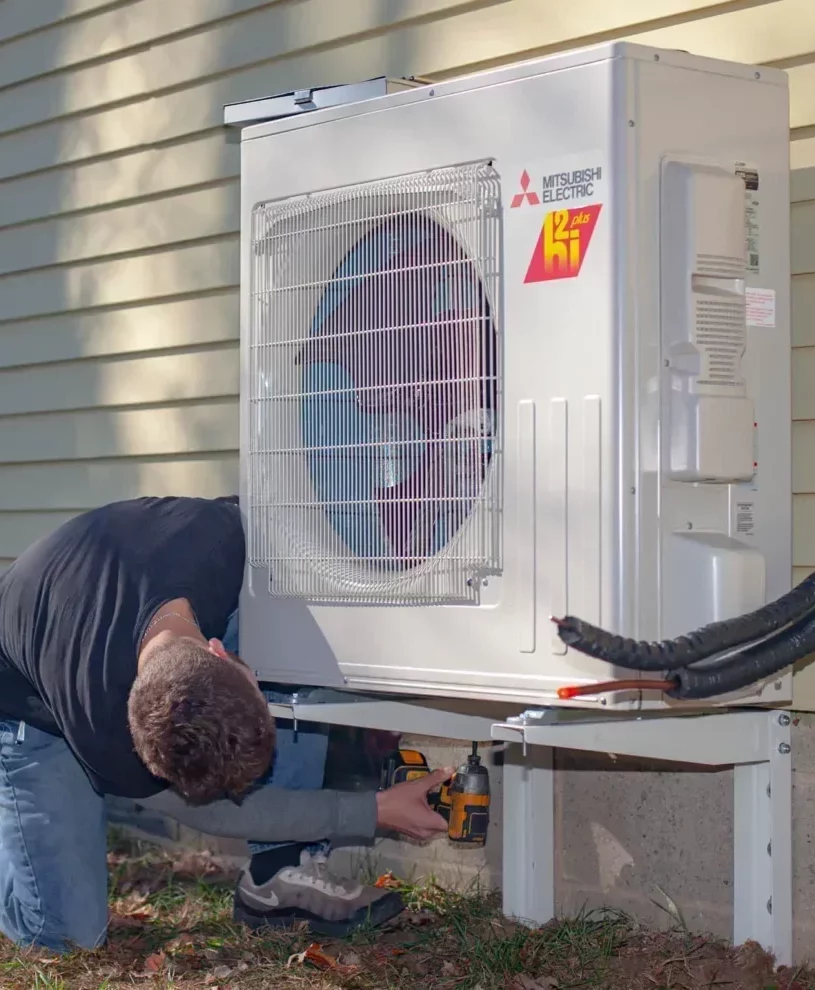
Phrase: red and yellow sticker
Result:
[562,244]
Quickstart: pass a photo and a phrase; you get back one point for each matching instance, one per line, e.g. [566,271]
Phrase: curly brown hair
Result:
[199,723]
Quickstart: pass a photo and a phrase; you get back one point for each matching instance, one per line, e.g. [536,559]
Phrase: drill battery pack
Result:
[401,766]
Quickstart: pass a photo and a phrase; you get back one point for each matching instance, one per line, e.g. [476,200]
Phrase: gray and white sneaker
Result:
[308,892]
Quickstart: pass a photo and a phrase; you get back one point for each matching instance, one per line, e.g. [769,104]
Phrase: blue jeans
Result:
[53,868]
[53,831]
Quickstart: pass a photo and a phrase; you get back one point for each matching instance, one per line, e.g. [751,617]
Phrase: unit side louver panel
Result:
[374,371]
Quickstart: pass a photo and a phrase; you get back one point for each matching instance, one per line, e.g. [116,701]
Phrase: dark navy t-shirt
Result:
[75,606]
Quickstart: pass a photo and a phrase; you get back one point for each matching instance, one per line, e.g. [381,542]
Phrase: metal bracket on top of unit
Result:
[299,101]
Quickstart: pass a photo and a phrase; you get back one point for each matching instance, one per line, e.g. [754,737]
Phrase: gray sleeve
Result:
[273,814]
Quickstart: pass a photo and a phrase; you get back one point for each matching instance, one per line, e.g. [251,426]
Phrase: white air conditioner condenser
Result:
[515,346]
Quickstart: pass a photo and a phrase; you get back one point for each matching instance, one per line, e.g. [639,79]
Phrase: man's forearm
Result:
[272,814]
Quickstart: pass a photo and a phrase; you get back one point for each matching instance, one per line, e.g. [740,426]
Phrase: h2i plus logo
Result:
[562,243]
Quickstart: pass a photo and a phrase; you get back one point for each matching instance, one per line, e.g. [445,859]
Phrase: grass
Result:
[171,928]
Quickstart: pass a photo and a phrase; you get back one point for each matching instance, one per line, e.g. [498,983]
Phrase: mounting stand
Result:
[755,743]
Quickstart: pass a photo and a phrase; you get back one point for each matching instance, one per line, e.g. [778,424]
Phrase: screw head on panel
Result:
[784,719]
[784,748]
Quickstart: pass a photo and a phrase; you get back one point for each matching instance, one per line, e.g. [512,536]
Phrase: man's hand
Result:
[404,808]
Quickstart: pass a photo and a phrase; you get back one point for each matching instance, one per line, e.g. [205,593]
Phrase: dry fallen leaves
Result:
[315,955]
[218,974]
[525,982]
[152,964]
[181,945]
[134,907]
[387,880]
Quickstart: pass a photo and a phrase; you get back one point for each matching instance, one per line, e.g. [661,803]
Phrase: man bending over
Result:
[114,680]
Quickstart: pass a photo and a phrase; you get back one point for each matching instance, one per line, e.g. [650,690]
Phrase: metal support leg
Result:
[762,846]
[755,743]
[529,835]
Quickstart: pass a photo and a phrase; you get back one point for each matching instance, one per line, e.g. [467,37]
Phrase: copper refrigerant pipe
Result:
[604,687]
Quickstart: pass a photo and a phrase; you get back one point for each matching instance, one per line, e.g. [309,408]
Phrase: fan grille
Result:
[373,392]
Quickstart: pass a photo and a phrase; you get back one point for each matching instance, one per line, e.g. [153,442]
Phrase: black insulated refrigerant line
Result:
[747,667]
[682,652]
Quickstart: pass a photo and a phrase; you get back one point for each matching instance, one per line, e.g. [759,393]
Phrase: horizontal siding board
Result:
[802,95]
[407,51]
[202,320]
[18,530]
[128,25]
[181,430]
[124,280]
[129,176]
[802,152]
[790,36]
[120,382]
[803,531]
[802,184]
[799,573]
[176,115]
[802,238]
[517,23]
[803,457]
[174,219]
[760,34]
[270,33]
[20,17]
[803,375]
[79,485]
[803,311]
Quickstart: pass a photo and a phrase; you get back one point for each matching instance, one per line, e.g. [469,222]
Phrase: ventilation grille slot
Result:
[720,266]
[721,338]
[373,392]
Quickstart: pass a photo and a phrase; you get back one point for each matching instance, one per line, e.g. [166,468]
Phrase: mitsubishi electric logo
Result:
[531,197]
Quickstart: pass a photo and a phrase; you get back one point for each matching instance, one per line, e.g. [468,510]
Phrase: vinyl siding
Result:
[119,210]
[803,370]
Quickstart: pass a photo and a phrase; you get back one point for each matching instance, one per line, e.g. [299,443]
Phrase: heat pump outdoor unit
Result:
[515,346]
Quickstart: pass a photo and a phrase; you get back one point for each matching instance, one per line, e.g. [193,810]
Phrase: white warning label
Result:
[760,304]
[744,519]
[751,217]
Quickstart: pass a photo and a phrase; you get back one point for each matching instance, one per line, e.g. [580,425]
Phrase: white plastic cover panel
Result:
[704,266]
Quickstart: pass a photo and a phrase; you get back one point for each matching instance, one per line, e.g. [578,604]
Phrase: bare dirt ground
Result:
[171,928]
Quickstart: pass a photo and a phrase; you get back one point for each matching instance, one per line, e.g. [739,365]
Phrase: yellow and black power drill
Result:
[463,801]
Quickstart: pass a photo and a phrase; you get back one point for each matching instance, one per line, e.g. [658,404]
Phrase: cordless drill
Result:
[463,801]
[470,802]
